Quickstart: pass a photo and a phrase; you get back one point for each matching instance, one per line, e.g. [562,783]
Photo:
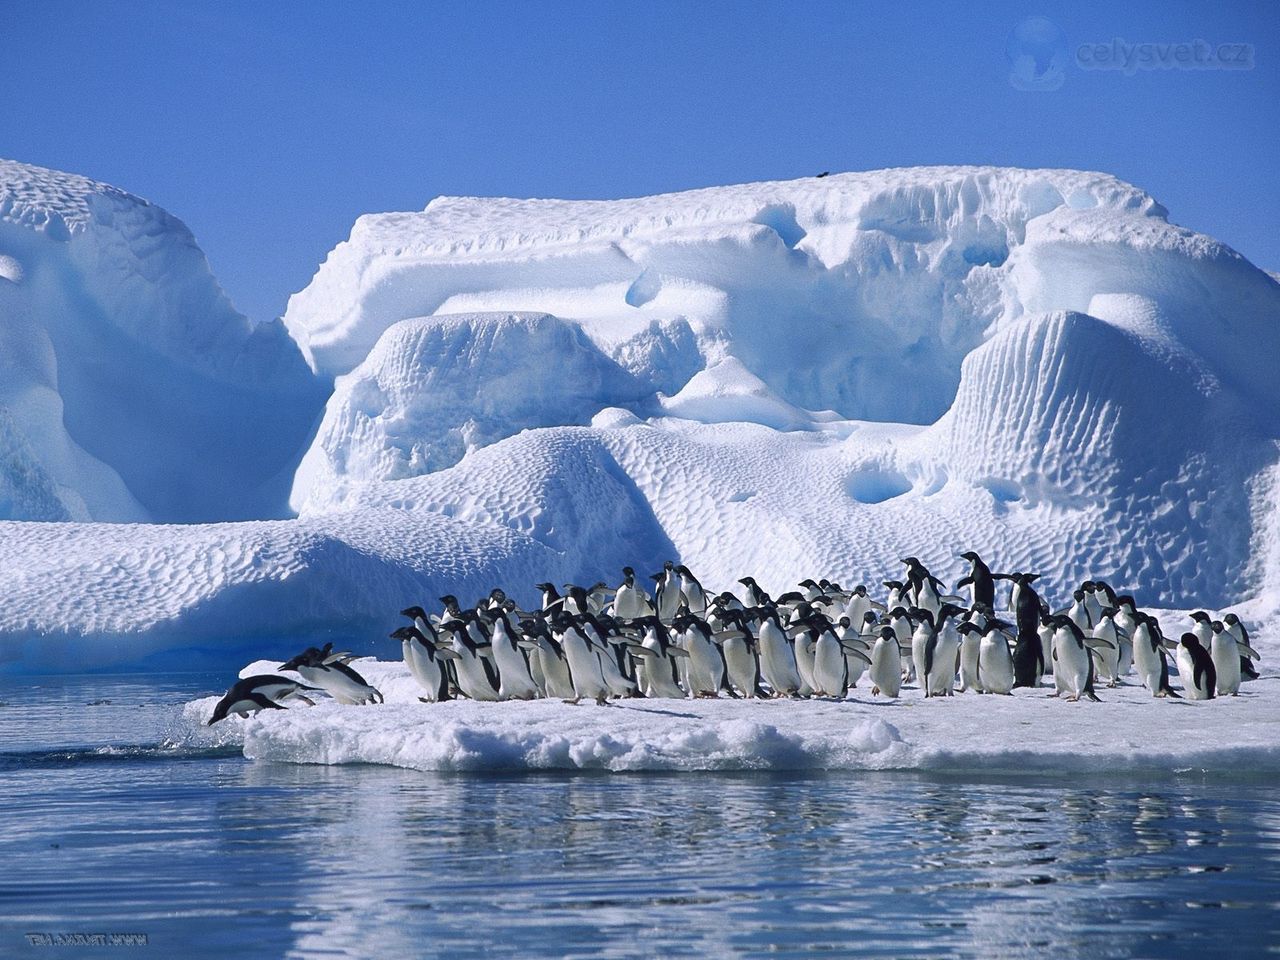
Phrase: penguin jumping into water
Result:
[260,692]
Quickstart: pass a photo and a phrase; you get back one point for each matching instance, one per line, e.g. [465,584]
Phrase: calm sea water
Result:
[209,855]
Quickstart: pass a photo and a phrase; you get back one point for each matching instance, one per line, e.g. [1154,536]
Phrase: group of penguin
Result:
[602,643]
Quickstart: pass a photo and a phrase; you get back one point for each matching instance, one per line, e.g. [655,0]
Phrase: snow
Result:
[126,376]
[434,389]
[1029,732]
[795,379]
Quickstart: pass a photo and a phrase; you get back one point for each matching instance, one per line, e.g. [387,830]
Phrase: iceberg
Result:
[807,378]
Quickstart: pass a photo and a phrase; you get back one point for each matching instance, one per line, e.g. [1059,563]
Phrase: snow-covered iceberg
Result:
[130,388]
[781,379]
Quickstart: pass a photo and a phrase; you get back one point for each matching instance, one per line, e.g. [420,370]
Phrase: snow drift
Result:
[130,388]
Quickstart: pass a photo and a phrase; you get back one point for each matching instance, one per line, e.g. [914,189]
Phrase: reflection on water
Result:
[211,855]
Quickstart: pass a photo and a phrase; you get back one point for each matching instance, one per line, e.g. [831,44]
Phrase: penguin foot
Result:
[574,701]
[875,691]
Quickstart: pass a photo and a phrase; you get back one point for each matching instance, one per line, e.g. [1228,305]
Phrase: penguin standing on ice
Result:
[666,593]
[1073,660]
[1028,659]
[1195,665]
[1228,654]
[1235,627]
[424,661]
[1149,656]
[886,664]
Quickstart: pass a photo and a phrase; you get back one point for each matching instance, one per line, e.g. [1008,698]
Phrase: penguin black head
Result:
[1218,627]
[544,587]
[1191,641]
[1078,595]
[627,571]
[860,590]
[1201,616]
[970,556]
[450,602]
[1231,619]
[845,622]
[887,633]
[669,565]
[498,595]
[748,581]
[869,617]
[808,583]
[402,633]
[893,584]
[413,613]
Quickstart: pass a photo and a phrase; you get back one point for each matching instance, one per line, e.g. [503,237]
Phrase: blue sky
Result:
[269,128]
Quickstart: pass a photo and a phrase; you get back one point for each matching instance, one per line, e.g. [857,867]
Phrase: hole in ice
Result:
[986,254]
[1002,491]
[742,496]
[876,485]
[781,219]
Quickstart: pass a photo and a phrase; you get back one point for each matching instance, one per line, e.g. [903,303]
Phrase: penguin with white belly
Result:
[422,657]
[254,694]
[886,664]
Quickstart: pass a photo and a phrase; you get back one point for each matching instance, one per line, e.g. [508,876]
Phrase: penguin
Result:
[584,662]
[477,678]
[260,692]
[424,663]
[859,604]
[661,675]
[1226,661]
[1028,659]
[1107,659]
[691,592]
[923,587]
[1202,628]
[338,679]
[970,651]
[550,596]
[551,659]
[777,658]
[738,647]
[982,585]
[706,662]
[995,662]
[615,665]
[1149,656]
[1235,627]
[940,653]
[803,652]
[904,630]
[830,673]
[755,596]
[1078,611]
[897,596]
[515,682]
[857,649]
[1195,666]
[886,665]
[666,594]
[1073,660]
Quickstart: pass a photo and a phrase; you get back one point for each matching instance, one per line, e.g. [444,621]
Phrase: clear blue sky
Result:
[270,127]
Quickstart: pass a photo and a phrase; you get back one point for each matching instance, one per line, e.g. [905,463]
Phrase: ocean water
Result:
[109,832]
